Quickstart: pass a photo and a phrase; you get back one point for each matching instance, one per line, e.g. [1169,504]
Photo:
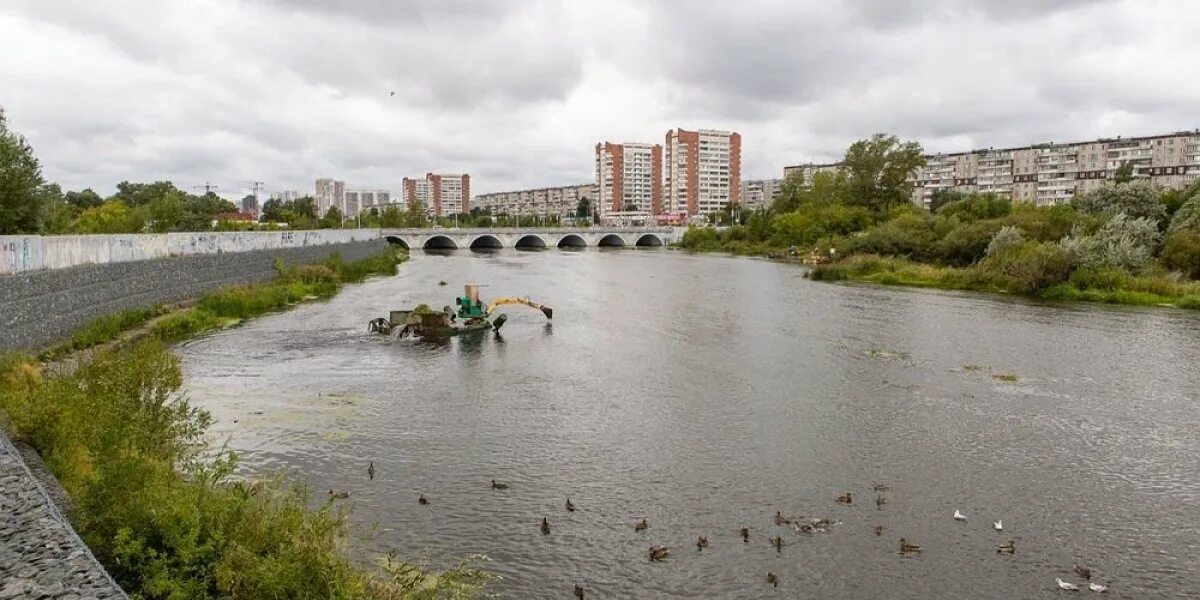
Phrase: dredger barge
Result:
[471,316]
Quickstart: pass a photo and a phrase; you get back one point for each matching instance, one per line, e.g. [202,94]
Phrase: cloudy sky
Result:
[518,93]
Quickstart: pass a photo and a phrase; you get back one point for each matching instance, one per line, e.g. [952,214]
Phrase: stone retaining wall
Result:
[40,554]
[39,308]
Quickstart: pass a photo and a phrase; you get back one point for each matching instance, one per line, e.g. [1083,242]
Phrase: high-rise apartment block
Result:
[759,193]
[703,170]
[629,178]
[543,202]
[355,201]
[330,192]
[439,195]
[1046,174]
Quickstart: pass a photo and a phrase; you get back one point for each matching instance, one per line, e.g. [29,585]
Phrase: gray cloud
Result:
[517,93]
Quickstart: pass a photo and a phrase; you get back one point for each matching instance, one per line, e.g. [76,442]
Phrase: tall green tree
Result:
[168,213]
[877,172]
[791,193]
[84,199]
[1124,173]
[332,219]
[20,178]
[583,208]
[272,211]
[113,216]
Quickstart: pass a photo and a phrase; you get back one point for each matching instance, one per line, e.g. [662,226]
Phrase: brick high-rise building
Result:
[439,195]
[629,176]
[704,170]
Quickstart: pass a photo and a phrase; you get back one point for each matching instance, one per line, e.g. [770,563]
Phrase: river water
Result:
[704,393]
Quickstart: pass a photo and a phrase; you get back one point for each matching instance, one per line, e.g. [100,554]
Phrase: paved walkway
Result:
[40,554]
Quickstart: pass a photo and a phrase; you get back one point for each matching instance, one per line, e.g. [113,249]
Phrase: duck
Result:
[1008,548]
[421,500]
[702,542]
[881,487]
[659,552]
[846,498]
[371,471]
[878,530]
[906,547]
[959,516]
[641,525]
[579,591]
[1096,587]
[772,579]
[570,505]
[745,534]
[781,520]
[338,495]
[499,486]
[1083,571]
[545,526]
[778,542]
[441,283]
[880,501]
[998,525]
[1063,585]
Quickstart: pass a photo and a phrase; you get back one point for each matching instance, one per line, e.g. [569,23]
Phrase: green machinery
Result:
[472,315]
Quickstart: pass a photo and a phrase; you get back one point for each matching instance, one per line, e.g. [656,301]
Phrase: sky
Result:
[518,93]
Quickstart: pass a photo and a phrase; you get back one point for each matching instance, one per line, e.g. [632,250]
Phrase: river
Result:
[703,393]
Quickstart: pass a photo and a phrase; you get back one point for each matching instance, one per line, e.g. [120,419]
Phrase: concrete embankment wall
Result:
[39,307]
[24,253]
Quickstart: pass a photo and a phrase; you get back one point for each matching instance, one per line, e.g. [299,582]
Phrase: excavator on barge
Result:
[471,316]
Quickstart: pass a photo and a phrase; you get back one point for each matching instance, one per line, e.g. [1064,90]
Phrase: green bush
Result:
[701,238]
[185,324]
[1031,267]
[966,243]
[1107,278]
[908,235]
[163,515]
[977,207]
[1137,199]
[1181,252]
[809,224]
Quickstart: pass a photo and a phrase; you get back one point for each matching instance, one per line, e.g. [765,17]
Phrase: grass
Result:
[156,505]
[1121,288]
[104,329]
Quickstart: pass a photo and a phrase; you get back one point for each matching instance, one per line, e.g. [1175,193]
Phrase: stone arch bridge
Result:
[532,238]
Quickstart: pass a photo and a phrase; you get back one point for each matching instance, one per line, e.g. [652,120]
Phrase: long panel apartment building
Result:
[562,201]
[1046,174]
[703,170]
[629,178]
[439,195]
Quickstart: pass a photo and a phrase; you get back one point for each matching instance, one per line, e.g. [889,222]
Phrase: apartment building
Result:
[1047,174]
[355,201]
[809,170]
[759,193]
[703,170]
[629,178]
[559,201]
[329,192]
[439,195]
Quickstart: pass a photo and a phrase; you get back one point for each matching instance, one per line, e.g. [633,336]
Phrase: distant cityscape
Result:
[693,174]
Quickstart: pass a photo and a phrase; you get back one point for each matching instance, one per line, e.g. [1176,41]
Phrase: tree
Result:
[84,199]
[332,219]
[1124,173]
[1187,218]
[583,208]
[168,213]
[943,196]
[877,172]
[1137,199]
[141,194]
[272,211]
[790,193]
[113,216]
[56,214]
[20,178]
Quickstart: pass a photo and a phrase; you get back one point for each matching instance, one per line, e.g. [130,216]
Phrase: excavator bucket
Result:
[549,312]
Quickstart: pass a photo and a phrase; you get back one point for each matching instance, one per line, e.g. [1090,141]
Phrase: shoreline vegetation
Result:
[1122,242]
[157,505]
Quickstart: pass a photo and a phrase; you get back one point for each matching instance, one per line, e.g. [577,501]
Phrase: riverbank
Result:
[157,506]
[1109,287]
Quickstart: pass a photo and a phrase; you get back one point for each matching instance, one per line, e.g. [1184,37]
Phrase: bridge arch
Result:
[648,240]
[572,240]
[530,241]
[486,241]
[611,240]
[439,242]
[396,240]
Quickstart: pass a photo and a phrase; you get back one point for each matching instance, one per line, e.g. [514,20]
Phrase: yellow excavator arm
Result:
[498,302]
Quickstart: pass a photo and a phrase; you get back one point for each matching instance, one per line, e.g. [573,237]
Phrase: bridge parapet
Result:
[533,237]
